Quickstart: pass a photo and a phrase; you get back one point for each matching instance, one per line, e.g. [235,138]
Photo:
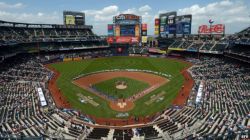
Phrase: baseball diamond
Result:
[84,85]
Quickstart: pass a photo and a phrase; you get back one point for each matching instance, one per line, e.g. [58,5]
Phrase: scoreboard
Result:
[73,18]
[169,24]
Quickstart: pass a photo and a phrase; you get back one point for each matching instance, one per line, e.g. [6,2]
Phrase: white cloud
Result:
[100,18]
[39,17]
[40,14]
[105,14]
[4,5]
[234,14]
[145,8]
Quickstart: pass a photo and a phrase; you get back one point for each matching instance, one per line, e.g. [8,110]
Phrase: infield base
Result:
[121,105]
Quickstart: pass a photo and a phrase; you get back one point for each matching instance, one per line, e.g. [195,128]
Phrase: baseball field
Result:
[151,103]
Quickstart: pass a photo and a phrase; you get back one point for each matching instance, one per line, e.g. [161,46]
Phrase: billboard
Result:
[73,18]
[127,39]
[123,39]
[167,19]
[110,40]
[217,29]
[110,30]
[144,33]
[144,39]
[166,29]
[162,28]
[137,30]
[144,27]
[117,30]
[156,30]
[157,23]
[163,20]
[127,19]
[172,29]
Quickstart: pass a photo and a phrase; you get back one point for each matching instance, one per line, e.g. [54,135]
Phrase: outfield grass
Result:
[69,70]
[109,87]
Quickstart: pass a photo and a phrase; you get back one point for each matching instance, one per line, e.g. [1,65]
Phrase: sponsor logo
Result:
[219,28]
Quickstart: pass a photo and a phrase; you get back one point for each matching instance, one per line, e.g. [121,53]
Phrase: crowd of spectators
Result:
[222,110]
[16,35]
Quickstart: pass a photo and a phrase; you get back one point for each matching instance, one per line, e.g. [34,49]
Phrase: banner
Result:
[135,40]
[144,39]
[162,28]
[110,40]
[205,29]
[156,31]
[186,28]
[137,30]
[110,30]
[157,21]
[110,26]
[144,33]
[156,50]
[166,29]
[163,20]
[172,29]
[123,39]
[117,30]
[144,27]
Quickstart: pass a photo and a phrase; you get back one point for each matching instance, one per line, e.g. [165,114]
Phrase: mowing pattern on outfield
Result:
[109,87]
[69,70]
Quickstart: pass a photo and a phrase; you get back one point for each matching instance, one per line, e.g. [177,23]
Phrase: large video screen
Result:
[70,20]
[183,24]
[127,30]
[73,18]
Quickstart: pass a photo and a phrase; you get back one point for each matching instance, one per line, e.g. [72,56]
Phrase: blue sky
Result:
[233,13]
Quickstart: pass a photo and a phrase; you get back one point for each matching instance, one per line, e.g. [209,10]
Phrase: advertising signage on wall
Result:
[172,29]
[117,30]
[218,29]
[171,24]
[144,33]
[127,18]
[137,30]
[110,29]
[162,28]
[166,19]
[183,24]
[144,27]
[157,21]
[163,20]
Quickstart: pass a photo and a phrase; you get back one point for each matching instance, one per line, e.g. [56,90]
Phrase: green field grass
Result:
[109,87]
[69,70]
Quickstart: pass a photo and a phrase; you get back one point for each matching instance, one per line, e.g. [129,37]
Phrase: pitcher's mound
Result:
[121,106]
[121,85]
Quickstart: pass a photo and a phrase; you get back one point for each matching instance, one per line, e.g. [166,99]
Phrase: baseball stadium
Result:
[137,81]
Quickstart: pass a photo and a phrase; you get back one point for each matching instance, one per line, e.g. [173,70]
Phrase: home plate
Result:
[122,104]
